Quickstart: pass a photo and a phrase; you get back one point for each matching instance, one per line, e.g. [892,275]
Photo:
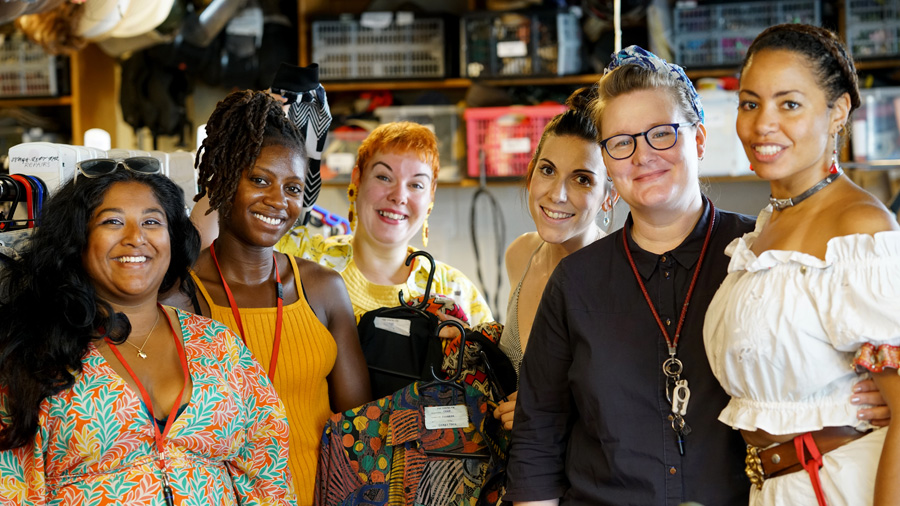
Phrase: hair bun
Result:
[580,100]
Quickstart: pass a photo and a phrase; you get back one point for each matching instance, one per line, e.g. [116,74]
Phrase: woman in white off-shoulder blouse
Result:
[812,296]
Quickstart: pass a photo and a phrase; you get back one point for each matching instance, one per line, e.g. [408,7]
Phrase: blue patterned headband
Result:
[643,58]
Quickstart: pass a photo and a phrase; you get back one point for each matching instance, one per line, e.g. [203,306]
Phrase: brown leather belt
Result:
[782,459]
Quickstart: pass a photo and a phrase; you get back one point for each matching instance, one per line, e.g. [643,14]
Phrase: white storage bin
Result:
[876,125]
[724,153]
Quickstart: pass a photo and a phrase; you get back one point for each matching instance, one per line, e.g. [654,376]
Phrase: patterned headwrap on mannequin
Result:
[640,56]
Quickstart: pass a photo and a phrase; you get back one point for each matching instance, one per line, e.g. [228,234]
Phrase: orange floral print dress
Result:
[95,443]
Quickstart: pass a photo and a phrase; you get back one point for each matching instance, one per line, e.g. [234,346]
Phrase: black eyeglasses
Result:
[660,138]
[98,167]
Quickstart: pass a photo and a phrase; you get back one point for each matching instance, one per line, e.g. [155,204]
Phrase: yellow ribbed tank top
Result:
[305,359]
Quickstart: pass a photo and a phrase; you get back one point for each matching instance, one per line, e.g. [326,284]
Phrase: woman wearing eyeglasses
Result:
[294,315]
[108,397]
[617,403]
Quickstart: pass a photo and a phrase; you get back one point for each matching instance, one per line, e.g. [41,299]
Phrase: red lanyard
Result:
[279,294]
[159,436]
[672,343]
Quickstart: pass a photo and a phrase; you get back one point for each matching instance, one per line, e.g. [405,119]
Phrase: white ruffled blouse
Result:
[786,330]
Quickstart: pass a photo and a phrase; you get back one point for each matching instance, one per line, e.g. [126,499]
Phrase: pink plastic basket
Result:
[507,136]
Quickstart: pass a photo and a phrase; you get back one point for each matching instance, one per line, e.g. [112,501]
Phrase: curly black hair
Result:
[242,124]
[49,309]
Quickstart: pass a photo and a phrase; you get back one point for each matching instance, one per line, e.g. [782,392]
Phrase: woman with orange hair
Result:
[391,195]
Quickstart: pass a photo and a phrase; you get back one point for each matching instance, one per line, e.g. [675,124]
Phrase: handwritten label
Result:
[395,325]
[512,49]
[446,417]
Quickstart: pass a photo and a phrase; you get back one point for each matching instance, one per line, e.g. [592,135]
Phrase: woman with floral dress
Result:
[108,397]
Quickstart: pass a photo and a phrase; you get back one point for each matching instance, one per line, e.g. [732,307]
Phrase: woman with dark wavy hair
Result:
[106,394]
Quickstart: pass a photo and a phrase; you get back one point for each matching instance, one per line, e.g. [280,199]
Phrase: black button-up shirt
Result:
[592,420]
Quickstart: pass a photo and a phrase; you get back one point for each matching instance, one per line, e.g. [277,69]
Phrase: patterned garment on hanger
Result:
[380,453]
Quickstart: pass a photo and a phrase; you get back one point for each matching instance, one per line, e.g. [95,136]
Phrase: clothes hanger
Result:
[431,272]
[452,381]
[12,190]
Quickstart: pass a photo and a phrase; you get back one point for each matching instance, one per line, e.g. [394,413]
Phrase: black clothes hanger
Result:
[452,381]
[427,293]
[397,341]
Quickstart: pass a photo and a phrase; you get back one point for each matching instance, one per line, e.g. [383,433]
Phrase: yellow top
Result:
[305,359]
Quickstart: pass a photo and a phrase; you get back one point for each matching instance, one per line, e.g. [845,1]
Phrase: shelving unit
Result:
[92,103]
[309,9]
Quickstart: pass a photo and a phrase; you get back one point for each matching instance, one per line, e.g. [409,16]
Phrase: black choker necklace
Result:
[782,204]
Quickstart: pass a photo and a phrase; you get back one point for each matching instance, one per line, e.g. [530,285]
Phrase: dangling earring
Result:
[425,226]
[352,191]
[834,160]
[751,167]
[606,219]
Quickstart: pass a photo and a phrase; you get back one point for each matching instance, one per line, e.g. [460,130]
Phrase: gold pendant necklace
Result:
[140,351]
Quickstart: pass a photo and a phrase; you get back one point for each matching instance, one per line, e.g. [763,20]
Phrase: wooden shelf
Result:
[889,63]
[36,101]
[459,83]
[438,84]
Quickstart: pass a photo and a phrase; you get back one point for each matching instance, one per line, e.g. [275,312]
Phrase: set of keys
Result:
[678,394]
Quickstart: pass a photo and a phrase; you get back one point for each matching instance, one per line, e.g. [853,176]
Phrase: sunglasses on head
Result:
[98,167]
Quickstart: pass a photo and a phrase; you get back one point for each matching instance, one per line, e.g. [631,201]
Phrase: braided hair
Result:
[826,55]
[242,124]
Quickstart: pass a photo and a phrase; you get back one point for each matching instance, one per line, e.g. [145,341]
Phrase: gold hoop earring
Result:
[425,226]
[352,191]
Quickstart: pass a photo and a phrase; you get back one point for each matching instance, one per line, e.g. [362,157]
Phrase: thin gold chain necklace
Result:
[140,351]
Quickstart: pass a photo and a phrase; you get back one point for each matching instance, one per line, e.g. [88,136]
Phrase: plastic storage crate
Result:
[872,28]
[25,69]
[443,120]
[719,34]
[339,155]
[540,43]
[380,46]
[507,136]
[876,125]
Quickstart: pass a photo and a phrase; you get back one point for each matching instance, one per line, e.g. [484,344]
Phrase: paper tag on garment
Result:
[446,417]
[395,325]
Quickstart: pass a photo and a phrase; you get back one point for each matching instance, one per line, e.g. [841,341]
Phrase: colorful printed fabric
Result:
[95,444]
[639,56]
[337,253]
[441,304]
[376,454]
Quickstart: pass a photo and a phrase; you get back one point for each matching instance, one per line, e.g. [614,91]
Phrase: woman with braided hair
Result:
[294,315]
[811,297]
